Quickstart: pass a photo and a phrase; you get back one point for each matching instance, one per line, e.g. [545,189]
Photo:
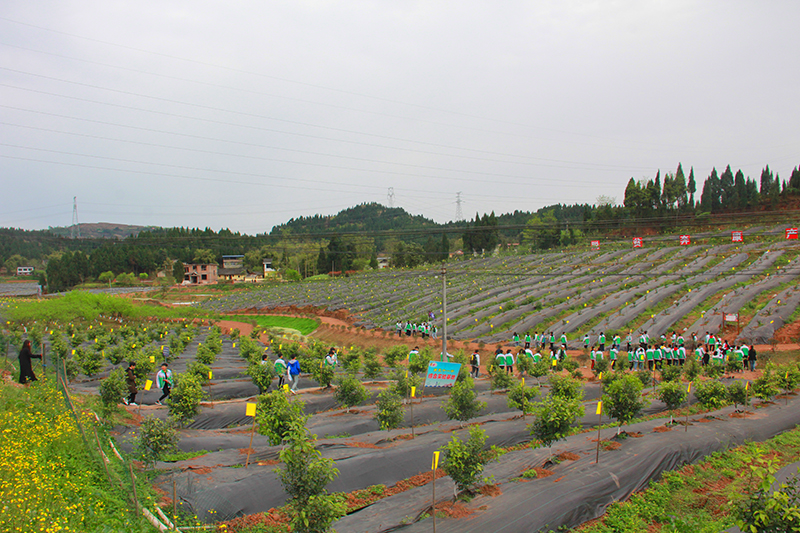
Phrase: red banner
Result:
[685,240]
[737,236]
[595,245]
[791,233]
[638,242]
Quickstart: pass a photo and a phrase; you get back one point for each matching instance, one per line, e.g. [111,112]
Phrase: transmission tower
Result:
[459,214]
[76,227]
[390,196]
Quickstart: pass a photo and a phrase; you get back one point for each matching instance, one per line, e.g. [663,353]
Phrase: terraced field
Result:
[658,288]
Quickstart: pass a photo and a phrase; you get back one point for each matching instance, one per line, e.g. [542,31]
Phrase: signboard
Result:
[595,245]
[791,233]
[638,242]
[737,236]
[442,374]
[731,317]
[685,240]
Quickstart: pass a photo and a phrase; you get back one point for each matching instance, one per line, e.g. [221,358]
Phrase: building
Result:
[383,262]
[24,271]
[269,270]
[232,261]
[203,274]
[232,268]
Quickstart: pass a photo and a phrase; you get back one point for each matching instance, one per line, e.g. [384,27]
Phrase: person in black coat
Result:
[130,381]
[25,367]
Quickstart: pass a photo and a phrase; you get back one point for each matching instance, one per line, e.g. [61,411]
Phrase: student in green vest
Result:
[527,340]
[280,370]
[629,341]
[500,359]
[651,356]
[515,338]
[412,355]
[613,356]
[552,340]
[681,353]
[602,341]
[564,340]
[509,362]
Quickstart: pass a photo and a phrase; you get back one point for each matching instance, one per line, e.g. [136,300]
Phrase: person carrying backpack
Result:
[293,373]
[475,361]
[280,370]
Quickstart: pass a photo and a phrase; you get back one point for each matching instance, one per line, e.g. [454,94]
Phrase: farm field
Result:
[226,467]
[656,289]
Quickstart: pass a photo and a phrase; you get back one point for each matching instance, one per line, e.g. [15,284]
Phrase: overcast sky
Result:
[245,114]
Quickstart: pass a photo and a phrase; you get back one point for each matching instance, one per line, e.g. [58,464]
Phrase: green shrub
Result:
[622,399]
[464,461]
[566,387]
[500,379]
[520,396]
[278,418]
[89,361]
[711,394]
[714,370]
[404,381]
[554,417]
[350,392]
[420,363]
[601,365]
[156,439]
[645,377]
[185,397]
[463,403]
[692,369]
[673,394]
[261,374]
[766,385]
[389,412]
[199,371]
[738,394]
[205,355]
[320,372]
[787,376]
[395,354]
[770,509]
[539,370]
[372,365]
[671,373]
[112,390]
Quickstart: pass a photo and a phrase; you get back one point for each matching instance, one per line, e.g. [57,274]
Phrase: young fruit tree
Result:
[304,476]
[389,412]
[623,401]
[464,461]
[520,396]
[673,394]
[463,404]
[554,417]
[278,418]
[738,394]
[350,392]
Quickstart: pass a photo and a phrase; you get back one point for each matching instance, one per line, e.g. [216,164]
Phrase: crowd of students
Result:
[423,329]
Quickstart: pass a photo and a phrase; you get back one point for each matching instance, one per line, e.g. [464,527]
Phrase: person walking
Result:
[130,381]
[26,374]
[164,382]
[280,370]
[475,362]
[293,373]
[751,358]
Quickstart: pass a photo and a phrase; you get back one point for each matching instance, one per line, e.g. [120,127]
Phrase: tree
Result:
[738,394]
[566,387]
[463,402]
[464,461]
[691,186]
[673,394]
[711,394]
[261,375]
[389,412]
[519,397]
[178,271]
[350,392]
[156,438]
[112,390]
[304,476]
[106,277]
[185,398]
[622,399]
[278,418]
[553,418]
[204,256]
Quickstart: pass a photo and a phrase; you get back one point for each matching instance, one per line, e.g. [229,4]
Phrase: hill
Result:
[102,230]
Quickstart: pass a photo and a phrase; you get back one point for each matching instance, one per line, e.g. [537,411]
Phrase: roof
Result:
[231,271]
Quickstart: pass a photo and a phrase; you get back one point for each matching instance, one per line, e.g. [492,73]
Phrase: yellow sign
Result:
[435,463]
[599,407]
[251,410]
[152,358]
[210,375]
[600,376]
[690,388]
[747,386]
[286,388]
[523,382]
[234,345]
[555,362]
[148,384]
[413,392]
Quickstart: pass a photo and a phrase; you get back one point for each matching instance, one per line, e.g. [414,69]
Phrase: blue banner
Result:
[442,374]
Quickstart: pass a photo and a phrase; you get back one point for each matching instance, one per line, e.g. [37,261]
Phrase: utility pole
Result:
[390,196]
[444,312]
[76,227]
[459,214]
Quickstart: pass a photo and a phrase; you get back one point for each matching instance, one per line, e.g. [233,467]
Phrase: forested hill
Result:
[367,217]
[102,230]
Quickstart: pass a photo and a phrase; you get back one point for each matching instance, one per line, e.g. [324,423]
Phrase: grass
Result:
[699,498]
[50,480]
[304,325]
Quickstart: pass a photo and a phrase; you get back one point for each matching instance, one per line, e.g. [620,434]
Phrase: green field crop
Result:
[304,325]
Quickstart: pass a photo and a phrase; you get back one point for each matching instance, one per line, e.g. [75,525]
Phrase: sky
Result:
[245,114]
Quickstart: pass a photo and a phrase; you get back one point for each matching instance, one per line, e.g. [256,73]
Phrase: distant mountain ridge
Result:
[102,230]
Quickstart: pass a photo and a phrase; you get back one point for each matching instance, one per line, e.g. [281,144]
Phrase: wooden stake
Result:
[250,447]
[433,503]
[174,502]
[133,483]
